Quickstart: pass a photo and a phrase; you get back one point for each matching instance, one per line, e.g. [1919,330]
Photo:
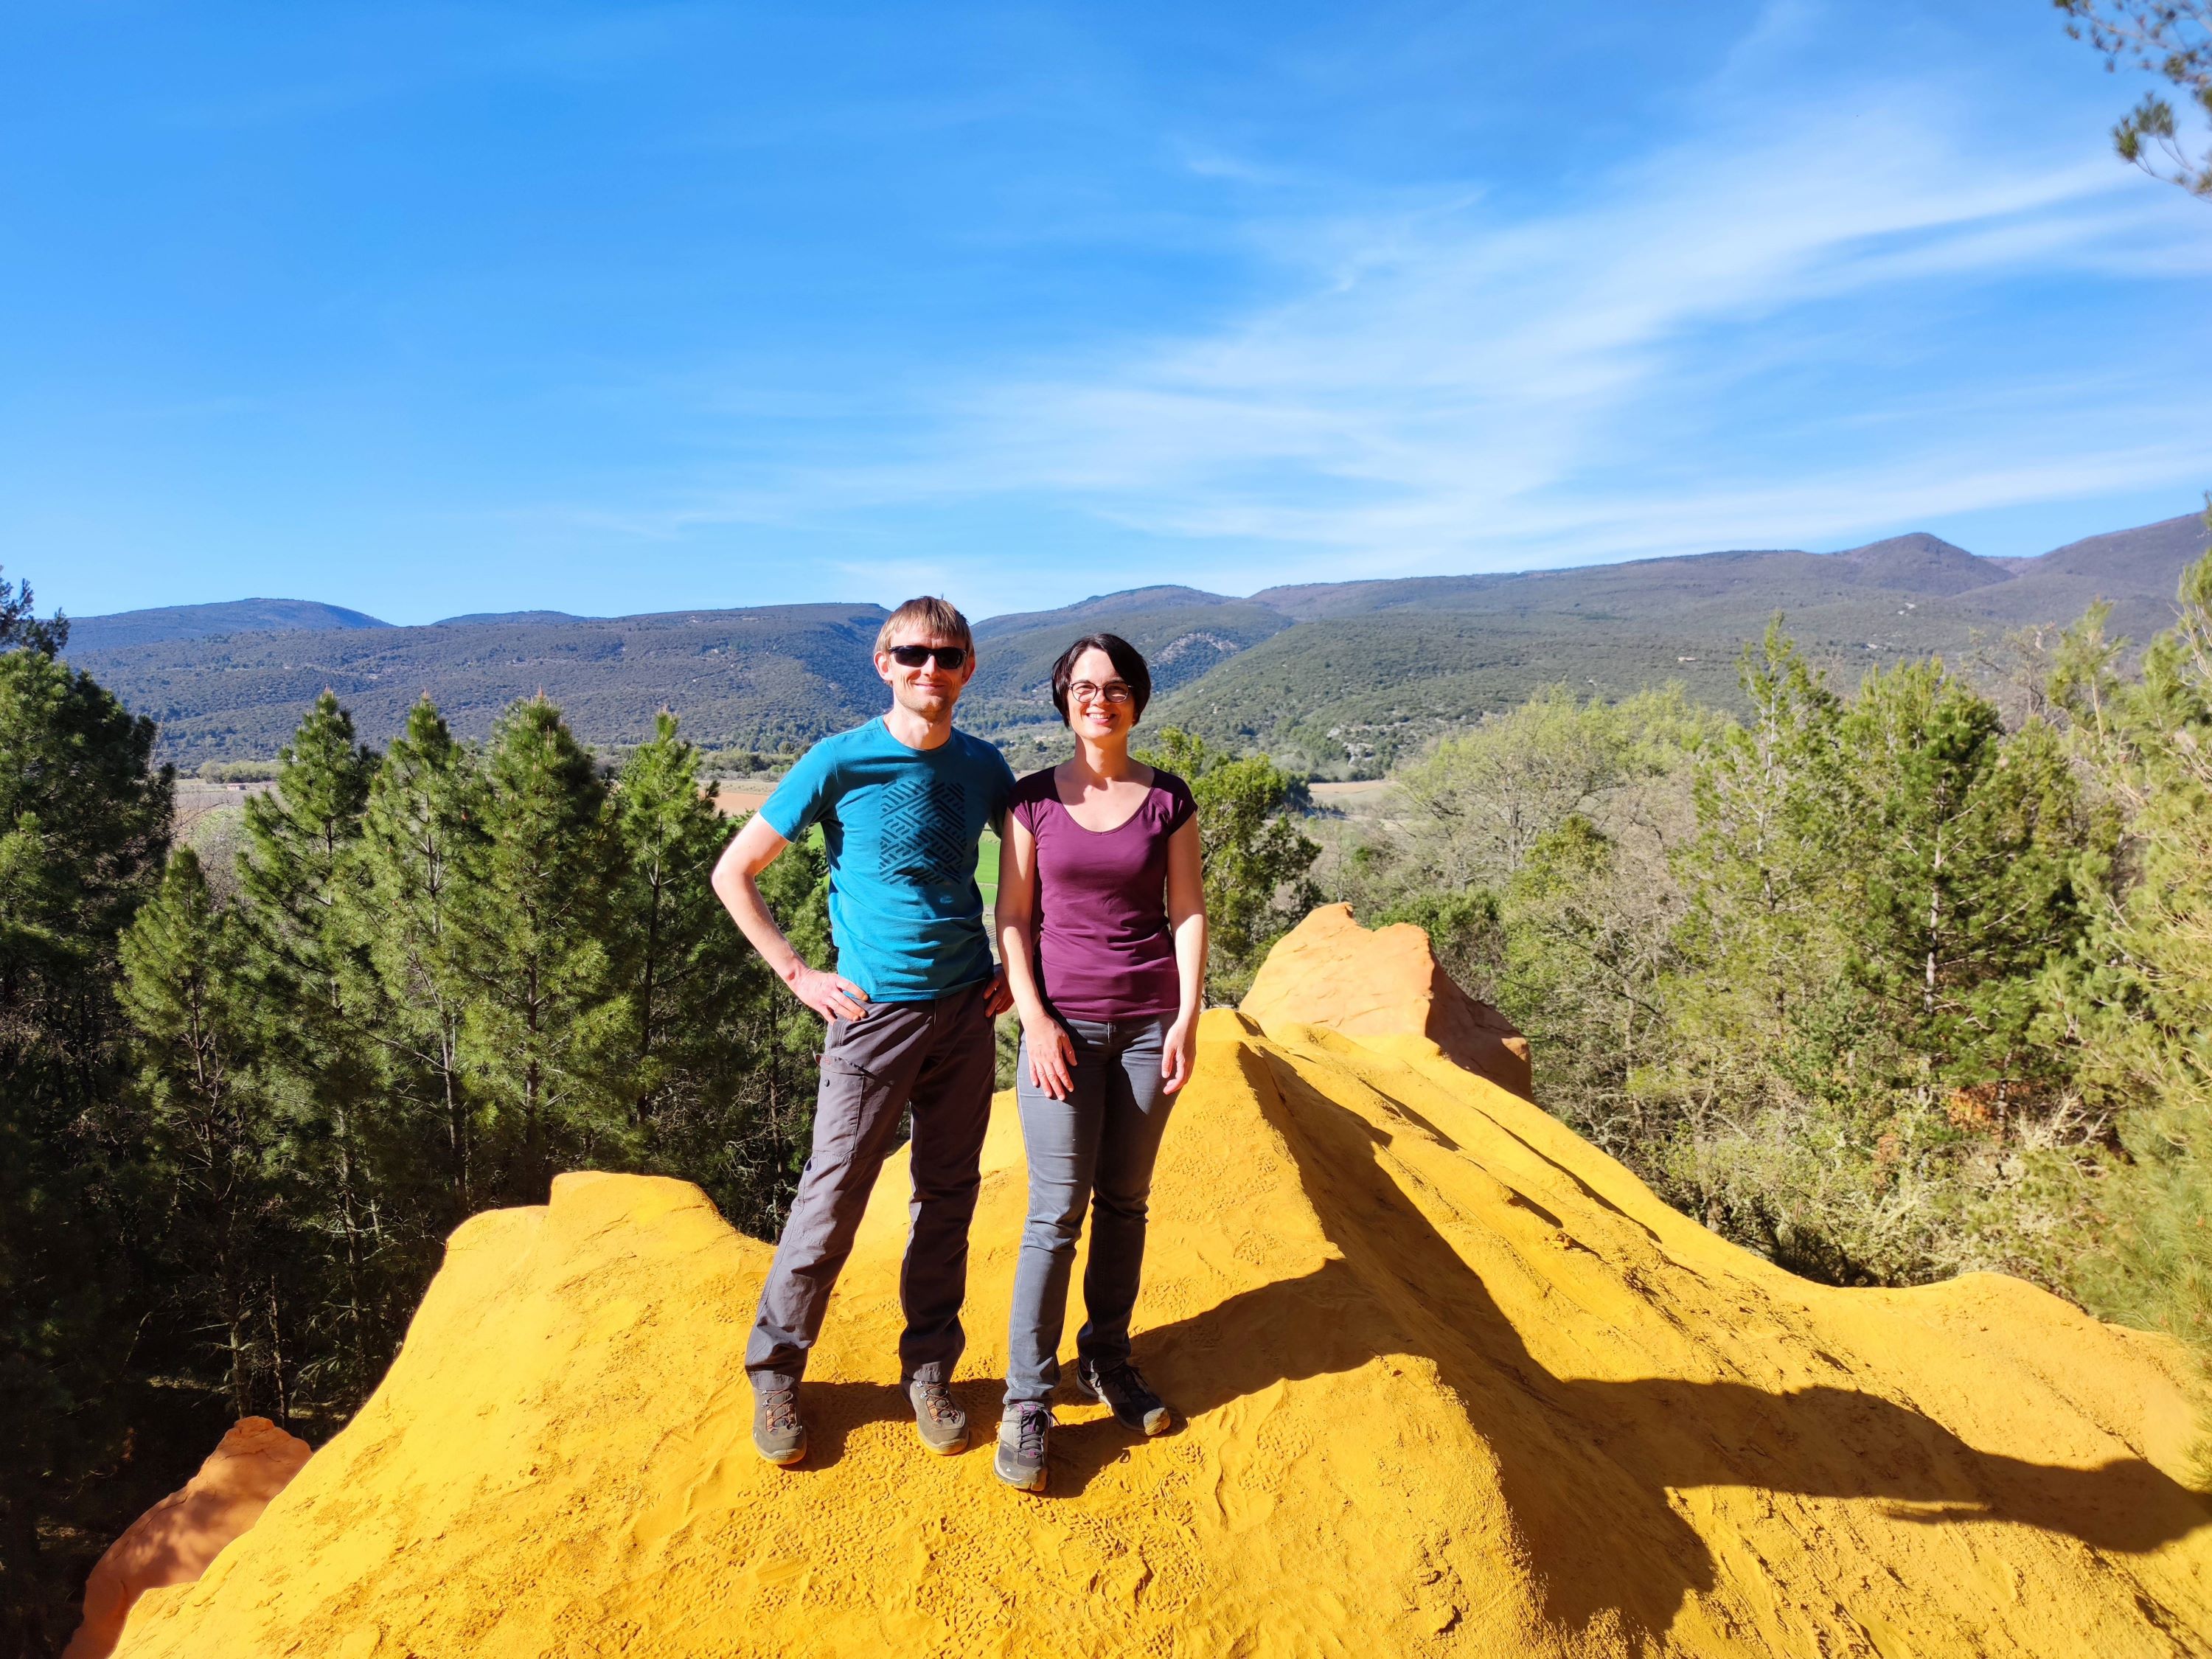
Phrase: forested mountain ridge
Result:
[1186,636]
[771,675]
[1375,668]
[1335,675]
[200,622]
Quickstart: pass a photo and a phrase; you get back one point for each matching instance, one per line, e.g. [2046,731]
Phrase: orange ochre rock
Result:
[1328,971]
[1450,1382]
[172,1542]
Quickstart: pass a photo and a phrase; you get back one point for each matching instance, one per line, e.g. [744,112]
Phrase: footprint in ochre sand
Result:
[1448,1380]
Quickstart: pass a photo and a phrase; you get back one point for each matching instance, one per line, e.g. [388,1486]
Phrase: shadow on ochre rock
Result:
[172,1542]
[1614,1555]
[1328,971]
[1611,1546]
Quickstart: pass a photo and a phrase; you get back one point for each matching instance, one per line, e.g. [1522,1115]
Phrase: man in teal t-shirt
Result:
[902,802]
[901,826]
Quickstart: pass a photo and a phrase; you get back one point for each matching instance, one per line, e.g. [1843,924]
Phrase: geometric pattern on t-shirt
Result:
[925,829]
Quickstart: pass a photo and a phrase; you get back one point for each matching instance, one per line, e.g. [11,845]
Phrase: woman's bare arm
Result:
[1052,1056]
[1187,915]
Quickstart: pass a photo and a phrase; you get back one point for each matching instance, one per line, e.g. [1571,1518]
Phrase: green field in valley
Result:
[987,868]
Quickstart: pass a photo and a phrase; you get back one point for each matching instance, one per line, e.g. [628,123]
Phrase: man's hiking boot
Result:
[1024,1435]
[941,1423]
[778,1435]
[1122,1387]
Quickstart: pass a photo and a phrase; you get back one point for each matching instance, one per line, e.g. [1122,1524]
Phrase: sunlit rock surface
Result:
[1328,971]
[1452,1383]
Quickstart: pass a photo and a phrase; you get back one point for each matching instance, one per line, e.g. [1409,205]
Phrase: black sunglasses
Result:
[913,656]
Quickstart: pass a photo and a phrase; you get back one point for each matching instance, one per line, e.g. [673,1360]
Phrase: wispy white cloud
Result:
[1461,383]
[1459,386]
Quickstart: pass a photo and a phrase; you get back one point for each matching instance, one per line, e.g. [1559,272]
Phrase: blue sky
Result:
[611,308]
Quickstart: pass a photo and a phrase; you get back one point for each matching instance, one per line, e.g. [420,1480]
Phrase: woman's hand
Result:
[1052,1055]
[1178,1053]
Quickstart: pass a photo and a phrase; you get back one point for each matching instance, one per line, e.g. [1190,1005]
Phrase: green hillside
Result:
[1336,677]
[765,679]
[1373,668]
[1184,634]
[1357,691]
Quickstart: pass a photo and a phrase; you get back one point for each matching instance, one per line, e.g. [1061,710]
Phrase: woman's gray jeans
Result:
[1092,1150]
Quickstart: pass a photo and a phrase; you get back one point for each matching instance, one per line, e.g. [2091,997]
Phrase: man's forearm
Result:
[734,882]
[742,899]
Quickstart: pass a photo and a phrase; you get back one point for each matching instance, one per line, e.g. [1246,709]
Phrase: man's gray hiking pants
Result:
[938,1058]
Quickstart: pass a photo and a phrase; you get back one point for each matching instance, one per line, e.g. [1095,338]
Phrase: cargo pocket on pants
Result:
[846,1103]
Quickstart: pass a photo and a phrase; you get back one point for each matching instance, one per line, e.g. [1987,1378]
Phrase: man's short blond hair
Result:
[933,617]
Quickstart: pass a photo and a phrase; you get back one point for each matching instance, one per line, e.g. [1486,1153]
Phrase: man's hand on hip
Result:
[831,995]
[1000,997]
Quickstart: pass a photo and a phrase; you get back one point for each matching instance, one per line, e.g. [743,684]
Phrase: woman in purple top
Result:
[1102,925]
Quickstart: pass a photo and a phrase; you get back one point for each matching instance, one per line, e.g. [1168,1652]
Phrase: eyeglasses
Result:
[952,657]
[1114,691]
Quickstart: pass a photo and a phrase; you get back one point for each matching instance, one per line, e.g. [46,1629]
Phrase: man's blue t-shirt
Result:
[900,825]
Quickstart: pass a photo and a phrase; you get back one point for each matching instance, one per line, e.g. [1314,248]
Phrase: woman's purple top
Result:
[1104,948]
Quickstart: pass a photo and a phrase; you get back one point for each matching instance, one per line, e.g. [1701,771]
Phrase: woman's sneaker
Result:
[1122,1387]
[1024,1438]
[940,1421]
[778,1435]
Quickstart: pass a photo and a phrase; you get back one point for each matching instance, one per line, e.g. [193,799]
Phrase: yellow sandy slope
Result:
[1455,1384]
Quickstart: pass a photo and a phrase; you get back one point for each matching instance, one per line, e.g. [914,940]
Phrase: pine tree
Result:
[1256,859]
[2137,998]
[398,913]
[1761,871]
[695,988]
[1875,892]
[300,837]
[686,981]
[216,1140]
[1969,842]
[1760,949]
[84,825]
[543,1031]
[21,625]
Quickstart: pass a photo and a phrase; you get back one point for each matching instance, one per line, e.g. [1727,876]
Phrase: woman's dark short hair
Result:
[1128,662]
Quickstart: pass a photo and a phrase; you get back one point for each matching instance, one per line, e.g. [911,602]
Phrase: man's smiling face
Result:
[927,688]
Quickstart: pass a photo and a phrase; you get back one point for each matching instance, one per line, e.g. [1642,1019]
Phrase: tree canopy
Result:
[2172,39]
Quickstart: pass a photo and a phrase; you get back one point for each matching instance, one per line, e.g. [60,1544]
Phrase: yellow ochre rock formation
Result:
[172,1542]
[1453,1383]
[1328,971]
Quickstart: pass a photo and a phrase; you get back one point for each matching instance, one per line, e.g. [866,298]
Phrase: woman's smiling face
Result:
[1099,705]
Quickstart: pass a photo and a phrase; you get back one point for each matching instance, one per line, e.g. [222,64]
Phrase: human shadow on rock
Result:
[833,1410]
[1586,1467]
